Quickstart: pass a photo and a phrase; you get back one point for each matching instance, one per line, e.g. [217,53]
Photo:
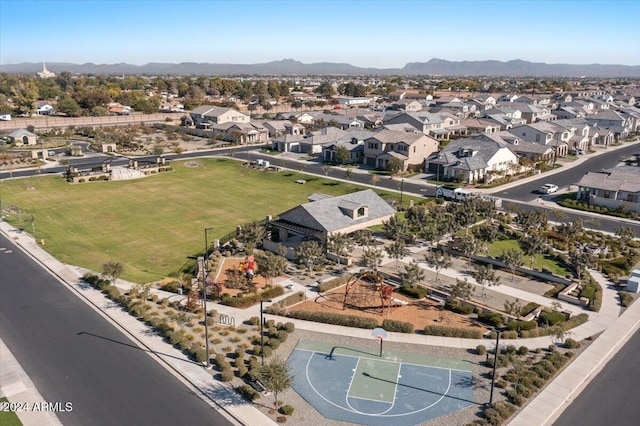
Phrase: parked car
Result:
[547,188]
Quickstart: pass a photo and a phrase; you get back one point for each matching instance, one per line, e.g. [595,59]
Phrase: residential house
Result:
[280,127]
[287,142]
[354,101]
[116,108]
[481,125]
[507,97]
[371,120]
[410,148]
[353,141]
[313,142]
[544,133]
[240,132]
[472,160]
[534,152]
[611,120]
[533,113]
[425,122]
[45,108]
[408,105]
[21,137]
[452,125]
[613,188]
[207,115]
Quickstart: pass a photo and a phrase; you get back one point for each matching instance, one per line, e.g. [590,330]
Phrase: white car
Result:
[547,188]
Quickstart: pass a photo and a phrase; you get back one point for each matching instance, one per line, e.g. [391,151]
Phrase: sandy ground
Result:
[234,263]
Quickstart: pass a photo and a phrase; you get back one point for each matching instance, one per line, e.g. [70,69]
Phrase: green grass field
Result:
[8,418]
[540,262]
[153,225]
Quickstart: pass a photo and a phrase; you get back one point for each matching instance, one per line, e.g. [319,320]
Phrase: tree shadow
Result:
[86,333]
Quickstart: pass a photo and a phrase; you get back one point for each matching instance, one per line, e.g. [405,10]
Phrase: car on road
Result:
[547,188]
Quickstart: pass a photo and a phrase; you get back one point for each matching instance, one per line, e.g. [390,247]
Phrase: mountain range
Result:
[515,68]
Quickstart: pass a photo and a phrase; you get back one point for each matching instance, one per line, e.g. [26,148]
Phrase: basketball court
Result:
[355,384]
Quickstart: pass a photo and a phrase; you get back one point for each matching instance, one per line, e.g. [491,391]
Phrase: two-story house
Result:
[425,122]
[410,148]
[207,115]
[546,134]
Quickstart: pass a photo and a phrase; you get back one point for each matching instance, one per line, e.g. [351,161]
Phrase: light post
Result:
[495,363]
[204,295]
[262,331]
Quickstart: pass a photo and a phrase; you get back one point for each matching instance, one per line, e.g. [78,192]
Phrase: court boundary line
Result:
[389,360]
[442,396]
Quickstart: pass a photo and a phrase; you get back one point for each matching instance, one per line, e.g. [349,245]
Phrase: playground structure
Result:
[368,291]
[248,267]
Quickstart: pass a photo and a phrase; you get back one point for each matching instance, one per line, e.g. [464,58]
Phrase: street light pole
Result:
[262,331]
[495,363]
[204,295]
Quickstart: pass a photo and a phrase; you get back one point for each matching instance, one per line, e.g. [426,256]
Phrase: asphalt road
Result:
[73,355]
[610,397]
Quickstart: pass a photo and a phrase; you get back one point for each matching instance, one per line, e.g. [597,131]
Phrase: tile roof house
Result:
[410,148]
[326,216]
[206,115]
[425,122]
[613,188]
[472,160]
[353,141]
[240,132]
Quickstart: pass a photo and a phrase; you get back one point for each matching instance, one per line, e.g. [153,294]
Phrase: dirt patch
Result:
[235,264]
[192,164]
[418,312]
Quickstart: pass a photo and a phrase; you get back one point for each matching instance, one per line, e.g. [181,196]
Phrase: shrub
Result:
[498,412]
[287,410]
[329,285]
[625,298]
[551,317]
[523,350]
[415,292]
[521,325]
[254,321]
[227,375]
[458,307]
[571,344]
[491,318]
[281,419]
[397,326]
[509,334]
[199,354]
[481,349]
[248,392]
[510,349]
[252,298]
[289,327]
[267,351]
[466,333]
[278,308]
[274,343]
[242,370]
[336,319]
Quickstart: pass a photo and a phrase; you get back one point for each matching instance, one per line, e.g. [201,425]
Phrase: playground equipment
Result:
[368,290]
[248,267]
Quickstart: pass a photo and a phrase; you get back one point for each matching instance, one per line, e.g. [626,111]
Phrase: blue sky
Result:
[382,34]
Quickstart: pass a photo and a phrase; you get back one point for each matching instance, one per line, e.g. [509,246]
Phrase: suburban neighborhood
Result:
[194,232]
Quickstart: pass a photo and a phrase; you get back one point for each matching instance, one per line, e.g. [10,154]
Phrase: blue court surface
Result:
[357,385]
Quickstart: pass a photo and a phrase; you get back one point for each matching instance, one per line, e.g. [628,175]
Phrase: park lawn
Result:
[8,418]
[154,225]
[540,262]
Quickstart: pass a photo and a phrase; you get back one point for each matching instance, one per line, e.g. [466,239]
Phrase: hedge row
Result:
[521,325]
[278,308]
[415,292]
[336,319]
[244,301]
[491,318]
[545,331]
[330,285]
[397,326]
[458,307]
[465,333]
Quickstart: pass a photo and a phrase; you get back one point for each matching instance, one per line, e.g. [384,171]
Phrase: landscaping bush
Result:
[575,321]
[415,292]
[242,370]
[267,351]
[254,321]
[498,412]
[509,334]
[523,350]
[248,392]
[279,307]
[481,349]
[336,319]
[625,299]
[281,419]
[551,318]
[465,333]
[571,344]
[243,301]
[329,285]
[397,326]
[287,410]
[491,318]
[521,325]
[289,327]
[227,375]
[458,307]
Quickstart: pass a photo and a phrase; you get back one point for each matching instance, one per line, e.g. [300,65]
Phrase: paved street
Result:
[73,355]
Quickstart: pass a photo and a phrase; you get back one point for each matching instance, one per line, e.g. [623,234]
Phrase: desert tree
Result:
[513,259]
[397,250]
[532,245]
[310,254]
[112,270]
[438,260]
[412,275]
[276,377]
[251,235]
[486,276]
[371,258]
[580,260]
[513,307]
[462,289]
[339,244]
[271,265]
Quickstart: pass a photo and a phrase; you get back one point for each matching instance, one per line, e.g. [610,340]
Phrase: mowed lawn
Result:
[154,224]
